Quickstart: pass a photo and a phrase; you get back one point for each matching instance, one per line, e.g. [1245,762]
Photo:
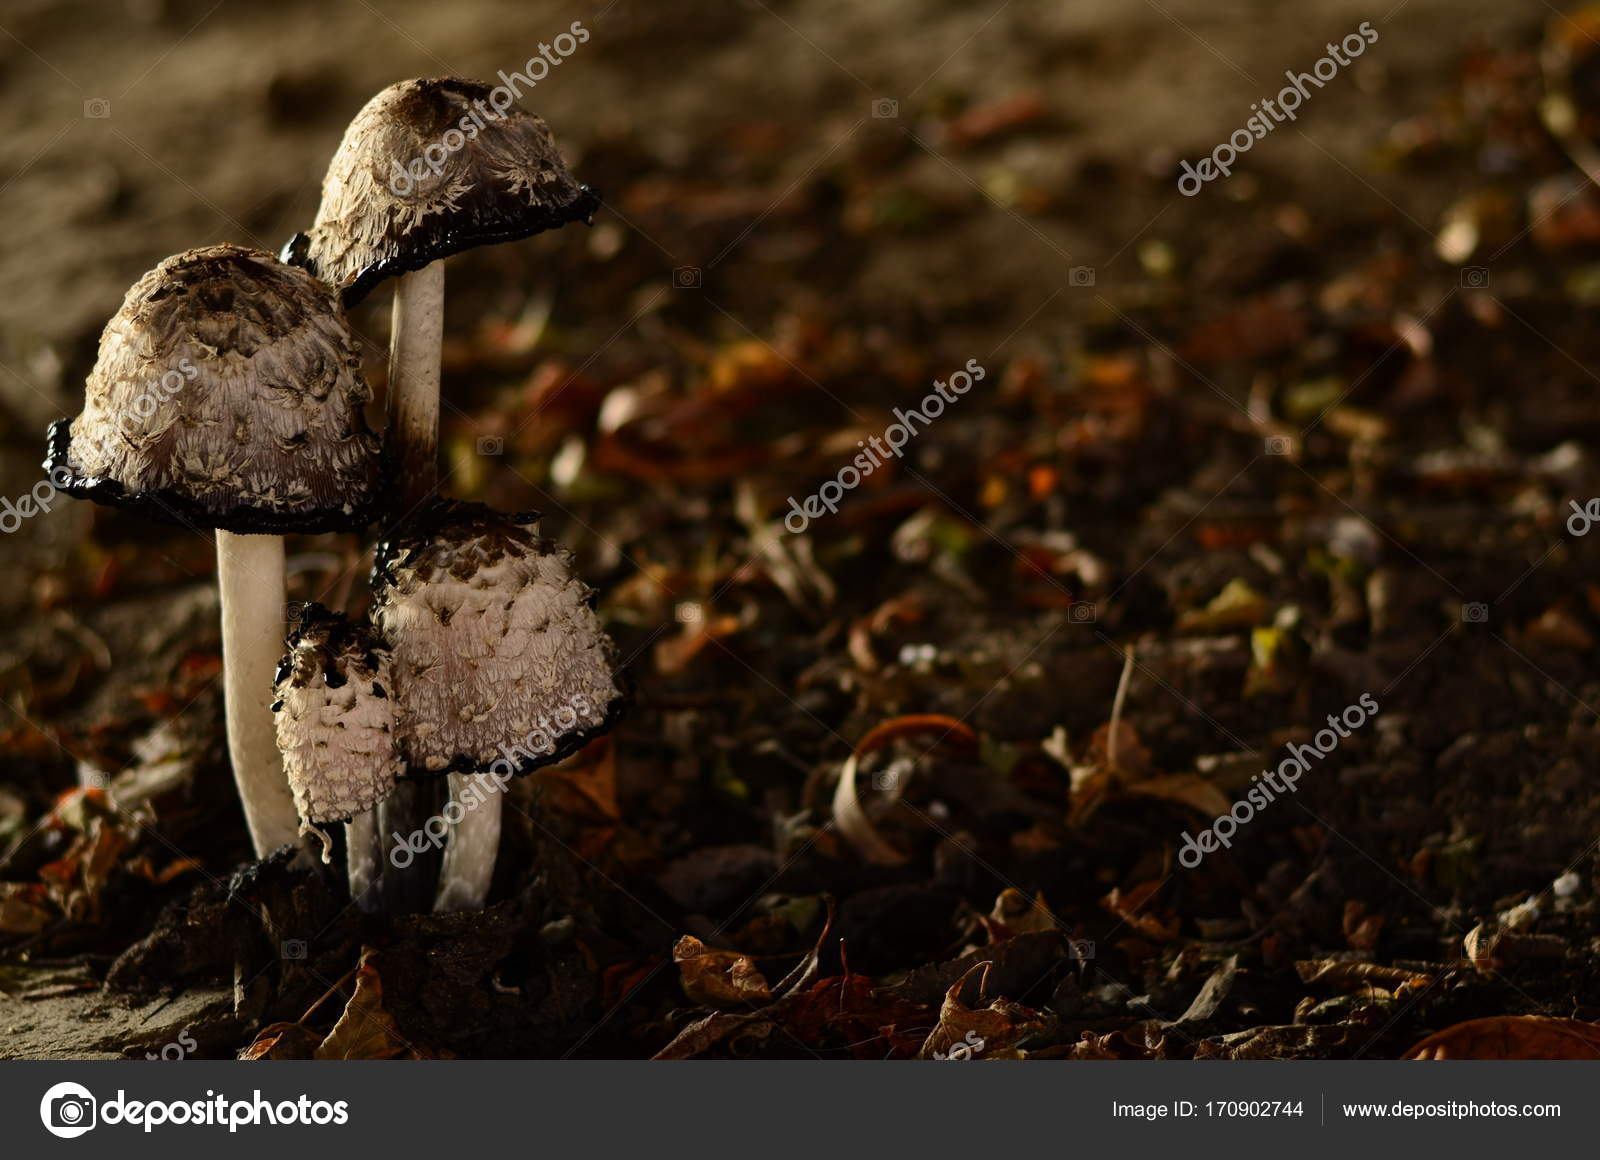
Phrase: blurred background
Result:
[1310,433]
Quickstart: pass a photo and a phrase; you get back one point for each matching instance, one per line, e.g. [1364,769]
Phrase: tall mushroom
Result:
[427,169]
[337,725]
[228,395]
[500,664]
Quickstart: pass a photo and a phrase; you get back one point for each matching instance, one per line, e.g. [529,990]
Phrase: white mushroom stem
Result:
[250,578]
[362,865]
[415,344]
[416,340]
[474,844]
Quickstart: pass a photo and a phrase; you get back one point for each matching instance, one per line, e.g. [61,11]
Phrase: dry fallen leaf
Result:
[1512,1037]
[78,876]
[23,908]
[1361,929]
[989,1032]
[365,1030]
[848,811]
[1188,789]
[1355,976]
[718,978]
[1141,1041]
[1129,905]
[1019,915]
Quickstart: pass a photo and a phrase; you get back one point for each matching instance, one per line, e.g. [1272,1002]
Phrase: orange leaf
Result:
[1512,1037]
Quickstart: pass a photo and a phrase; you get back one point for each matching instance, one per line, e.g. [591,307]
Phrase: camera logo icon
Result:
[1080,276]
[1475,613]
[1083,612]
[686,278]
[294,948]
[96,109]
[491,445]
[1474,277]
[68,1110]
[885,108]
[1278,445]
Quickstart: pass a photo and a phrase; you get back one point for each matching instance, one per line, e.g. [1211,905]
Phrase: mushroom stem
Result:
[250,578]
[474,845]
[362,865]
[416,340]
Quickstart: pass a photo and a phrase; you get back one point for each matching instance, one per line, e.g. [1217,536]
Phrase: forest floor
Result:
[1305,444]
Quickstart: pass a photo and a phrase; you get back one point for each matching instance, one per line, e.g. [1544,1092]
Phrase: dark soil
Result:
[1250,455]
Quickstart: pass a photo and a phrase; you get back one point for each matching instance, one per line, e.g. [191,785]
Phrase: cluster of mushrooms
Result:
[482,653]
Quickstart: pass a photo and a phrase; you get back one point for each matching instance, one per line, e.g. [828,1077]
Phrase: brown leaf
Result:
[1512,1037]
[365,1030]
[1353,976]
[849,814]
[989,1032]
[585,784]
[1132,755]
[718,978]
[282,1041]
[1141,1041]
[1361,929]
[23,908]
[1291,1041]
[76,878]
[949,730]
[854,1012]
[1130,907]
[703,1034]
[673,653]
[995,118]
[1019,915]
[1188,789]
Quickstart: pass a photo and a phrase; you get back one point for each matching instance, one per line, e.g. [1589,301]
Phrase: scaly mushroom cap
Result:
[336,718]
[227,394]
[499,656]
[430,168]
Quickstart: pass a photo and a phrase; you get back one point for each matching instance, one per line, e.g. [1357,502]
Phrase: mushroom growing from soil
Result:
[500,664]
[337,725]
[228,395]
[427,169]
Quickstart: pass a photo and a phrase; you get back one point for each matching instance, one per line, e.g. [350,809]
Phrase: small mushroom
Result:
[501,665]
[427,169]
[228,395]
[337,724]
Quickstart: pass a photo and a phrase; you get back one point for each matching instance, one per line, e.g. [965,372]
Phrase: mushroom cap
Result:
[336,717]
[227,394]
[398,196]
[500,660]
